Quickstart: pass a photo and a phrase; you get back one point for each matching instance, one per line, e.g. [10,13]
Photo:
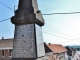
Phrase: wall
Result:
[60,56]
[6,55]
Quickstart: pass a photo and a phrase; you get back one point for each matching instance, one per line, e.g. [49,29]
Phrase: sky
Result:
[58,29]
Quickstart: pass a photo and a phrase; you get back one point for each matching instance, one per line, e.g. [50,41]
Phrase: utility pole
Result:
[28,39]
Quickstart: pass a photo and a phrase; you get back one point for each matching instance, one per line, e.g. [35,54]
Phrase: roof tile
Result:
[6,43]
[57,48]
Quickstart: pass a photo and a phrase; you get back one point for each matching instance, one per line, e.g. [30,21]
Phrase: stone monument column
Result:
[28,39]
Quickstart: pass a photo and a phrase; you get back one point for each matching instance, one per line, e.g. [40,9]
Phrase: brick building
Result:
[55,52]
[6,46]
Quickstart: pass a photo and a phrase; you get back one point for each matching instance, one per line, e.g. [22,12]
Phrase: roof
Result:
[56,48]
[47,49]
[6,43]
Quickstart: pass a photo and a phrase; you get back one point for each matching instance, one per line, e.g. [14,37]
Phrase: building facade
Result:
[55,52]
[6,46]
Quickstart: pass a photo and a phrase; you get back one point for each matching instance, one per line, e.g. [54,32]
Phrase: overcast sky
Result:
[58,29]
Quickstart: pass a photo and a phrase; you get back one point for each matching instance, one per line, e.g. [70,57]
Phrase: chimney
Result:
[44,42]
[2,38]
[49,43]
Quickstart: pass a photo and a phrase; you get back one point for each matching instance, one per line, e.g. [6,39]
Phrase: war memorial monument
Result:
[28,39]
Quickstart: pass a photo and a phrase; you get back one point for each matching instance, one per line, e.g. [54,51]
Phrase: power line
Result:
[56,32]
[54,29]
[56,13]
[60,36]
[5,19]
[62,13]
[43,14]
[43,32]
[57,36]
[70,40]
[6,6]
[50,34]
[46,14]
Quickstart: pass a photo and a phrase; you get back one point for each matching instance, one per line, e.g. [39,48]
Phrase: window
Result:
[62,56]
[10,52]
[56,56]
[2,52]
[59,58]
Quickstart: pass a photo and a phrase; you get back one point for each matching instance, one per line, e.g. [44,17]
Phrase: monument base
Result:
[41,58]
[28,42]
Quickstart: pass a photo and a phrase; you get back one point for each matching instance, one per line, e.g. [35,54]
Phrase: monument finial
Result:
[27,13]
